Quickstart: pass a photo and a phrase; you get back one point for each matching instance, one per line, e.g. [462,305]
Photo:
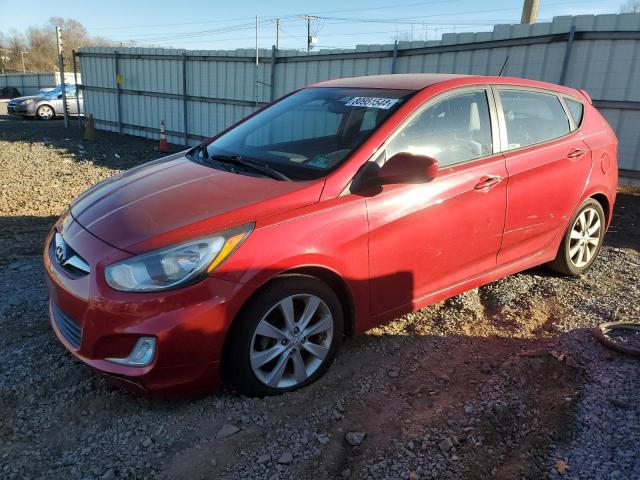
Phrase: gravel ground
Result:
[504,381]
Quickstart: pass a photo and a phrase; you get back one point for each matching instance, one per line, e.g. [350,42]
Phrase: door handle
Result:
[487,182]
[576,153]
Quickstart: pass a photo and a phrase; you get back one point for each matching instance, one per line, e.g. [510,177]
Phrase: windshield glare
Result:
[311,132]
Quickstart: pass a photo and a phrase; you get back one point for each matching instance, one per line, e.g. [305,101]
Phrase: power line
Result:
[290,16]
[330,20]
[411,20]
[176,35]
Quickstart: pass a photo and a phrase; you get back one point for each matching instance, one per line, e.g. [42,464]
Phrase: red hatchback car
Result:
[338,207]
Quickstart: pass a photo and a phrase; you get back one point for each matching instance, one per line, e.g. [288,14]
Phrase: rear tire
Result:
[582,241]
[266,354]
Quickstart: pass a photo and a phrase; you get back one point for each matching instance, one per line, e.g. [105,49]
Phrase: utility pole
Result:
[24,70]
[64,88]
[530,11]
[310,39]
[277,34]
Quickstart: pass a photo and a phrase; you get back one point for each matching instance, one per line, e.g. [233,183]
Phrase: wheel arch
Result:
[46,104]
[326,275]
[603,200]
[338,285]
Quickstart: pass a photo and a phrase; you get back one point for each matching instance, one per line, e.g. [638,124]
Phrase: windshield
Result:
[53,93]
[309,133]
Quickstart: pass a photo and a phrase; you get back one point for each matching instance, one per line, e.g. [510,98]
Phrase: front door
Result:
[438,234]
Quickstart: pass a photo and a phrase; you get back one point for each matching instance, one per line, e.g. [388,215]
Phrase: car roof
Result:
[401,81]
[419,81]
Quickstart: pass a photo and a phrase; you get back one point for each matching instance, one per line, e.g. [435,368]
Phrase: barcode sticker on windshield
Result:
[372,102]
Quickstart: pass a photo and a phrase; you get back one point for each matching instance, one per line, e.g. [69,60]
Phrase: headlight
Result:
[176,265]
[28,101]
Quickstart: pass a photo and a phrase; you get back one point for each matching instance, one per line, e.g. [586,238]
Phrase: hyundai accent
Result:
[338,207]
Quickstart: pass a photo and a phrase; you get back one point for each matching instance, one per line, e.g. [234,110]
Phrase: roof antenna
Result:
[504,65]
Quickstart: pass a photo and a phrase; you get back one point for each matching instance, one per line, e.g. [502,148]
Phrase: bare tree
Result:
[403,37]
[631,6]
[39,45]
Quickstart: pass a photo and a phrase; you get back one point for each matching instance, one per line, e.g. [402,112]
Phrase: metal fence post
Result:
[184,98]
[75,80]
[65,108]
[118,108]
[272,88]
[567,55]
[395,57]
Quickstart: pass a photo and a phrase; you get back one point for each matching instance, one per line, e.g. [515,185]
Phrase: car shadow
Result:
[623,232]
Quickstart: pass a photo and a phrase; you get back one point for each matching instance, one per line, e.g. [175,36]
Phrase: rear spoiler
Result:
[586,95]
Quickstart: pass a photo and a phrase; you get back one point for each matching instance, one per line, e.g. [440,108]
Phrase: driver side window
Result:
[454,130]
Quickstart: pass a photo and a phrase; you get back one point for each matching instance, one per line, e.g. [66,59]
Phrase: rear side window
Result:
[577,110]
[532,117]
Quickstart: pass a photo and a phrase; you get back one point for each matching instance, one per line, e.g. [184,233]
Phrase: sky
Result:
[203,25]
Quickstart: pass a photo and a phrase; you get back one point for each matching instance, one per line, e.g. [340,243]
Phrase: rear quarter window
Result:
[577,110]
[532,117]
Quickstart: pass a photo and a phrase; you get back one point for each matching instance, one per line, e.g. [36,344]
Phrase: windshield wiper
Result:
[239,161]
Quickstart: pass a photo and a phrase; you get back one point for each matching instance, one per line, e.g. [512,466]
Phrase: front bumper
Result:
[189,324]
[20,109]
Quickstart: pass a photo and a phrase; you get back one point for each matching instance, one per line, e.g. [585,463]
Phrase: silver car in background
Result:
[47,105]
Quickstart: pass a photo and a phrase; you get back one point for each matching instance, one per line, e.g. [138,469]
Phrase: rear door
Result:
[548,165]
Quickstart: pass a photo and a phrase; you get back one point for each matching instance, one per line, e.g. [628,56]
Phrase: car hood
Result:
[175,199]
[20,99]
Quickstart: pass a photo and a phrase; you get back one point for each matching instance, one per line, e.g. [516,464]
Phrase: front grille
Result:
[70,261]
[68,328]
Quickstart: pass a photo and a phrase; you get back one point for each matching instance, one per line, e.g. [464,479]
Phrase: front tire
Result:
[45,112]
[582,241]
[285,338]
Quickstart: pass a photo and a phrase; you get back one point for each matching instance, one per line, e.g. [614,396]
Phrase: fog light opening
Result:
[141,355]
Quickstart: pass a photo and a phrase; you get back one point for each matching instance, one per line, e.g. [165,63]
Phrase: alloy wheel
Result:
[291,341]
[585,237]
[45,112]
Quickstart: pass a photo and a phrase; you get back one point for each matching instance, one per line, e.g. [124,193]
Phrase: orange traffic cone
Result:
[164,145]
[90,129]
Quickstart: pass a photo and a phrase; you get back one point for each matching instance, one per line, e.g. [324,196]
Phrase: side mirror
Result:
[59,95]
[406,167]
